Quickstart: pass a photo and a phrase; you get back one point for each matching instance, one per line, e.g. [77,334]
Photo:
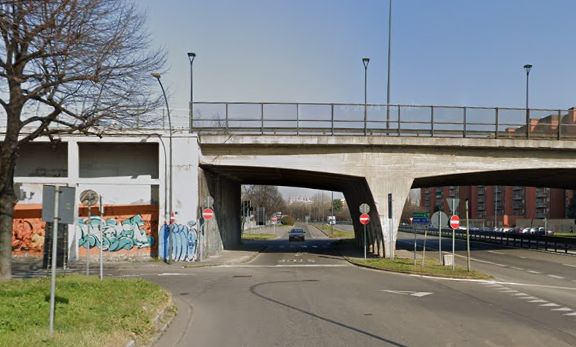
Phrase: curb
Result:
[167,314]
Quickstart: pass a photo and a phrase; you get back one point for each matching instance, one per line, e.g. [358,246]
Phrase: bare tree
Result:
[67,66]
[268,197]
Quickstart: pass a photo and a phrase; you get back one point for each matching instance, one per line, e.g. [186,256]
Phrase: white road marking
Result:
[562,309]
[510,291]
[538,301]
[520,294]
[286,265]
[173,274]
[521,257]
[570,314]
[496,252]
[550,304]
[534,272]
[407,292]
[569,265]
[528,297]
[556,276]
[518,268]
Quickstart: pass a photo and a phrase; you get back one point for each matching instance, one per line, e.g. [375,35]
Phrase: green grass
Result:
[88,312]
[335,233]
[247,236]
[564,235]
[430,268]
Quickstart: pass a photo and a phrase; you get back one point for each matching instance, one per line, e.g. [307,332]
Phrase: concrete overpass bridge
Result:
[368,168]
[364,151]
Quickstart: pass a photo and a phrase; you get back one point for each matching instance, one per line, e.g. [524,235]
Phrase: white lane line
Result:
[501,265]
[520,294]
[287,265]
[534,272]
[538,301]
[518,268]
[550,304]
[570,314]
[556,276]
[521,257]
[509,291]
[528,298]
[569,265]
[496,252]
[562,309]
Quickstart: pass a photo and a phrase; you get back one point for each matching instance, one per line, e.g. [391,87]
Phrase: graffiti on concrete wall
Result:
[184,240]
[116,235]
[28,236]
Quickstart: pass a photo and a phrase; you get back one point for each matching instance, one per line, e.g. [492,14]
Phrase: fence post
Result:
[432,121]
[297,119]
[262,118]
[332,117]
[559,124]
[465,122]
[226,116]
[399,120]
[497,123]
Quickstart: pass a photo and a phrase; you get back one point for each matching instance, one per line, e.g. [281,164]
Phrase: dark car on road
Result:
[296,234]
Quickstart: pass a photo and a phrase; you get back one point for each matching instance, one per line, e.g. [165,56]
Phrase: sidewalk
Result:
[31,267]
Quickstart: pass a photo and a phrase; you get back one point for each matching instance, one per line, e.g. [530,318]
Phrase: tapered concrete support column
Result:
[380,186]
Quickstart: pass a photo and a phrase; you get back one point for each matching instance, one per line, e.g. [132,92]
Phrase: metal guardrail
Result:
[359,119]
[565,245]
[387,120]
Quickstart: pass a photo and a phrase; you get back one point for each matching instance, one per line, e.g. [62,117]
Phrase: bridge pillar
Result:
[380,186]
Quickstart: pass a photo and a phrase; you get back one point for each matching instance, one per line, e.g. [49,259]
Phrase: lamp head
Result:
[527,68]
[365,61]
[191,56]
[156,75]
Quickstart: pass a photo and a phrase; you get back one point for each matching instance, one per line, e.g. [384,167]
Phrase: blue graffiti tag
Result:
[184,241]
[126,235]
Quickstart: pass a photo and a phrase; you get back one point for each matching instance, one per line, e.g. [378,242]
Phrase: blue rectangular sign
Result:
[420,220]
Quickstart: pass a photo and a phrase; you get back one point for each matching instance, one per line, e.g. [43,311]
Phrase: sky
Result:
[444,52]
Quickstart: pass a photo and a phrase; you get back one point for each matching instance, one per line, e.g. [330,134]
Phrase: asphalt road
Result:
[304,294]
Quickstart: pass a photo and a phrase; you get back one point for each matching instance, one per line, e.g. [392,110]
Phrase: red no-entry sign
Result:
[454,222]
[207,213]
[364,218]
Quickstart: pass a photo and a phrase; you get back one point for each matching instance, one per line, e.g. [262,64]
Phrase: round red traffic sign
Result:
[207,213]
[364,218]
[454,222]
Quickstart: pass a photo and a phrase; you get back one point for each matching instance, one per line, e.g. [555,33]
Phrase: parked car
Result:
[296,234]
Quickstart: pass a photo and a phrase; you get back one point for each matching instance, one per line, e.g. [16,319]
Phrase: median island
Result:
[88,312]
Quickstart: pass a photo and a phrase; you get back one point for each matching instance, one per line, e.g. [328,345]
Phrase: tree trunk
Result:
[6,213]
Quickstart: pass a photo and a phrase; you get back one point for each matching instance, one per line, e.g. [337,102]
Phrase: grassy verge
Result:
[247,236]
[565,234]
[88,312]
[334,232]
[430,268]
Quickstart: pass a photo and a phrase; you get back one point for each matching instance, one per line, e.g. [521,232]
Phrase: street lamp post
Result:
[191,57]
[527,68]
[365,61]
[170,186]
[389,56]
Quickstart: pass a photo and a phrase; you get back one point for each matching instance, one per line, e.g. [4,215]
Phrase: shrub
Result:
[287,220]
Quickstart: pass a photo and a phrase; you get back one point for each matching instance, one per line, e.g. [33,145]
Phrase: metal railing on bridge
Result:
[387,120]
[359,119]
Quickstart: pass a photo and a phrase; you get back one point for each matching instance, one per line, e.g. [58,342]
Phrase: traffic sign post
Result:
[454,224]
[207,213]
[365,219]
[436,221]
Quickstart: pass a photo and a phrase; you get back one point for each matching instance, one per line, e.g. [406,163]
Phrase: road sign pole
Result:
[364,241]
[87,243]
[467,237]
[424,245]
[54,255]
[414,232]
[453,253]
[440,237]
[101,239]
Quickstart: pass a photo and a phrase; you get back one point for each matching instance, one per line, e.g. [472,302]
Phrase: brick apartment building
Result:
[506,203]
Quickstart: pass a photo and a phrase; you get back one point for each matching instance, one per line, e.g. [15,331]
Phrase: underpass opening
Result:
[353,188]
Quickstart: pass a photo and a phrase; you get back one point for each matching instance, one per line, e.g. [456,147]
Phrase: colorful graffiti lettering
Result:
[128,234]
[184,241]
